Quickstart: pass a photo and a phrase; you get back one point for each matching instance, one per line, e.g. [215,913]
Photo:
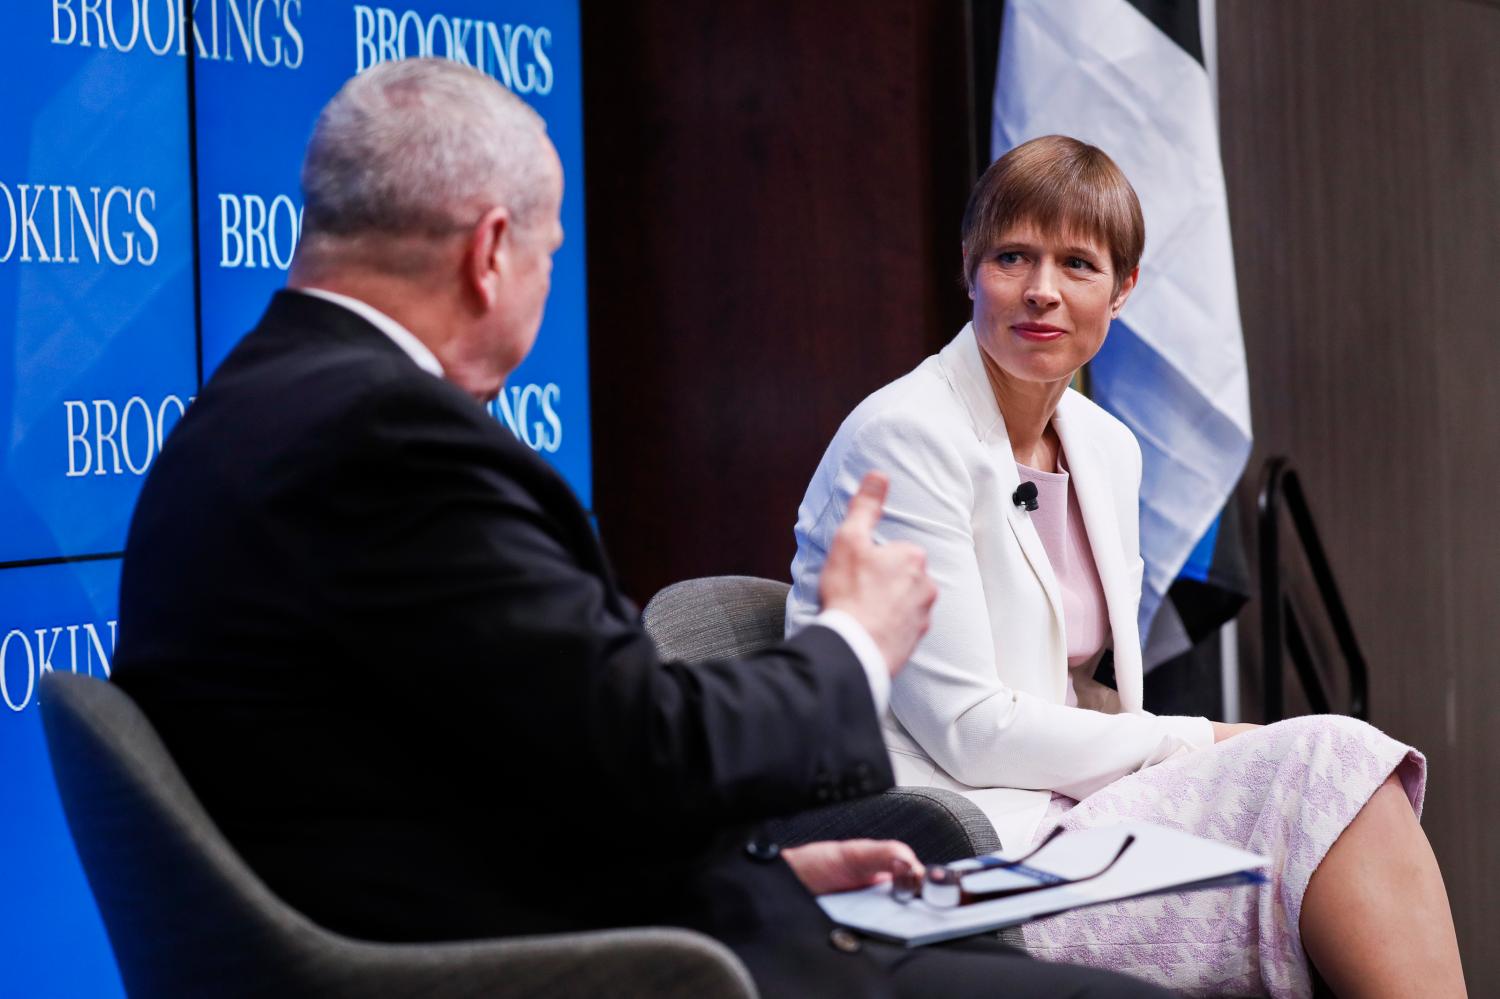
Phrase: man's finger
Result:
[866,505]
[872,857]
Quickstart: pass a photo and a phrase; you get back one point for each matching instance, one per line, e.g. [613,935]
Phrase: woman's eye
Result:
[1008,257]
[1078,264]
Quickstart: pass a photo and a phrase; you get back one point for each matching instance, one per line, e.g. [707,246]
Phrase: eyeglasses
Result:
[944,884]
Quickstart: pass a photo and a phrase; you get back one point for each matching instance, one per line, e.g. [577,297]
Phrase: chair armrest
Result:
[610,964]
[939,825]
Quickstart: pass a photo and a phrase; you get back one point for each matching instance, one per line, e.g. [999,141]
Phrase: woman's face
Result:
[1043,302]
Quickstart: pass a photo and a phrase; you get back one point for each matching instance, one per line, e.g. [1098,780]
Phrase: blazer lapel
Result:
[1031,542]
[1089,476]
[964,369]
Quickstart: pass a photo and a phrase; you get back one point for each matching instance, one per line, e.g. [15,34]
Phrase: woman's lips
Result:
[1038,332]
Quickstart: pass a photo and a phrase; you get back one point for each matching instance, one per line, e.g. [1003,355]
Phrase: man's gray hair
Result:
[421,147]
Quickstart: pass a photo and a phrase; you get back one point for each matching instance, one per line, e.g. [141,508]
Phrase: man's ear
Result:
[1126,287]
[483,261]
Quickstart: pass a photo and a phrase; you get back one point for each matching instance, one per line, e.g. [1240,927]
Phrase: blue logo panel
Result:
[56,617]
[256,103]
[97,344]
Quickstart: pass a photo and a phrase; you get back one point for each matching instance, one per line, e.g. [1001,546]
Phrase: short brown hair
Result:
[1055,182]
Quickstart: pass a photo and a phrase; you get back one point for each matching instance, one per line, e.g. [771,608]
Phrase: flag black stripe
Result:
[1178,20]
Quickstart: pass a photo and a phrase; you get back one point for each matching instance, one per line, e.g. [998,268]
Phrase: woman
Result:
[999,700]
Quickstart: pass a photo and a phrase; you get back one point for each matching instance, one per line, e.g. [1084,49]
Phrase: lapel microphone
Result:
[1025,496]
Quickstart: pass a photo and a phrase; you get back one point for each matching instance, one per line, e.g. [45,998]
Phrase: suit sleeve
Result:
[464,580]
[949,697]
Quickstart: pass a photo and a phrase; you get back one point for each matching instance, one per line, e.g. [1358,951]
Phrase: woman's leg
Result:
[1375,919]
[1290,792]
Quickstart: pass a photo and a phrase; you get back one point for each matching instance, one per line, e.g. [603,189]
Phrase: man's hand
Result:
[883,587]
[844,865]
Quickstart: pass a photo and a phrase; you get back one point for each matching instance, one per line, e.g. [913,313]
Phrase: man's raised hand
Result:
[884,587]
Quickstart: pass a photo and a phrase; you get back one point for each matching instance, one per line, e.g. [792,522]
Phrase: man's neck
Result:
[394,331]
[385,294]
[419,306]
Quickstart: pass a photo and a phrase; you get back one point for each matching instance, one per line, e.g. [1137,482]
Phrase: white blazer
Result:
[981,706]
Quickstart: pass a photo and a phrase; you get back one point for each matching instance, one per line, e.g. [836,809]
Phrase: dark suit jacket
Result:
[380,638]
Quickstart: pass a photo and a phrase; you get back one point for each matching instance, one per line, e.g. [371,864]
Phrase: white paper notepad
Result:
[1159,860]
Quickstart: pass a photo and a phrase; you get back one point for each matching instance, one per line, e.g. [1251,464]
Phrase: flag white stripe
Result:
[1100,71]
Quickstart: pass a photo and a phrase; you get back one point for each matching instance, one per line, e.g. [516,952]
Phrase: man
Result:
[381,639]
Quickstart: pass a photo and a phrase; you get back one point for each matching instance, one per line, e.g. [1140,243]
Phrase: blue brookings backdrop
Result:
[100,351]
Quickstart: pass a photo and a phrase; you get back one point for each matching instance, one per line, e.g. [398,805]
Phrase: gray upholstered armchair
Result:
[724,616]
[186,917]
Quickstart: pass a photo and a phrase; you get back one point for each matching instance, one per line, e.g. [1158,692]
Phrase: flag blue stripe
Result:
[1201,559]
[1191,451]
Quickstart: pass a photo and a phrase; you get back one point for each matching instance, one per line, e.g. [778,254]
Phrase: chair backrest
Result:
[184,913]
[726,616]
[716,617]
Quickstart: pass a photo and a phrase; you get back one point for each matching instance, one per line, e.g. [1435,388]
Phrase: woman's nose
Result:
[1041,290]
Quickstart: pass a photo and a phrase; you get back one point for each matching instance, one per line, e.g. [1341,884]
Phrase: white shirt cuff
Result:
[865,650]
[1196,732]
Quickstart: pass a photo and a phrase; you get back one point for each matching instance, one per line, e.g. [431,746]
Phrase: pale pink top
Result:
[1059,523]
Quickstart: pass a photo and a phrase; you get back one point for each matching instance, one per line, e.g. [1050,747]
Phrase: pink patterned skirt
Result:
[1286,792]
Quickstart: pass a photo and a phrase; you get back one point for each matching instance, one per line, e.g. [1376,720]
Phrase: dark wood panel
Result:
[1360,147]
[773,197]
[1462,80]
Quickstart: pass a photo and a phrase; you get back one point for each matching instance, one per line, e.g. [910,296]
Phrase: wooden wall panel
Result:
[773,196]
[1362,155]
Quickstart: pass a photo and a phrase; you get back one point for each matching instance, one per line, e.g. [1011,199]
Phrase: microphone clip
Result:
[1025,496]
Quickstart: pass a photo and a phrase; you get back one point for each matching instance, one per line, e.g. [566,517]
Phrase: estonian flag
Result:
[1129,77]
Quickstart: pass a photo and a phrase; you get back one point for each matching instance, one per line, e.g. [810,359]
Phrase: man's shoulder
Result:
[297,413]
[323,352]
[316,373]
